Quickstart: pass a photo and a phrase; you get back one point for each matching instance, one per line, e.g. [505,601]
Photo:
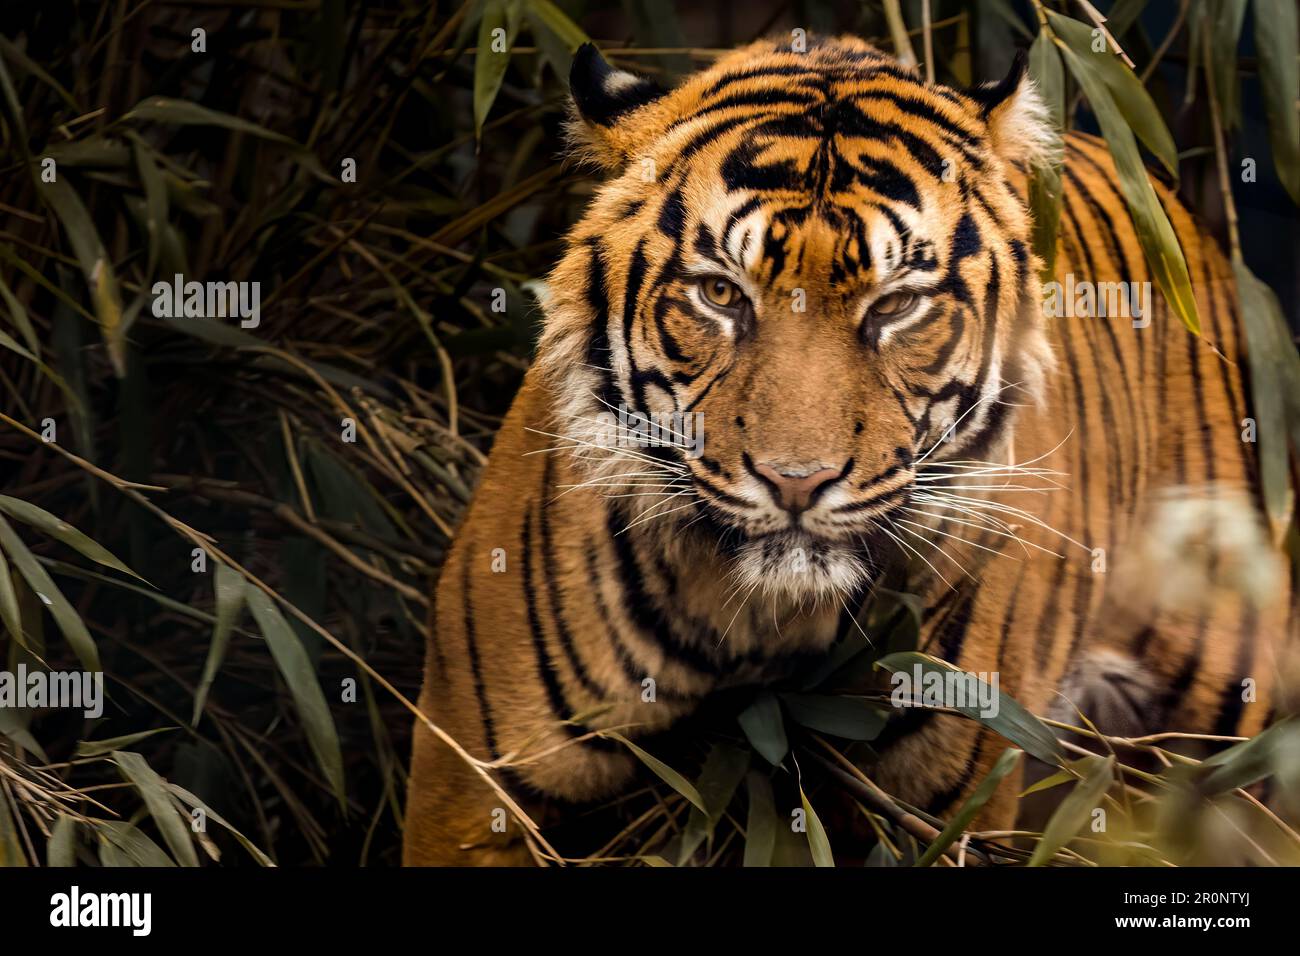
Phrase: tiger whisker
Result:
[936,547]
[955,537]
[908,547]
[981,504]
[648,459]
[741,607]
[1025,545]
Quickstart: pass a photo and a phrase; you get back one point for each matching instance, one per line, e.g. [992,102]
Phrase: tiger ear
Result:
[1020,127]
[603,99]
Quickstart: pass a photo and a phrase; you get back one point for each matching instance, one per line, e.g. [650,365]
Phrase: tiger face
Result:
[823,261]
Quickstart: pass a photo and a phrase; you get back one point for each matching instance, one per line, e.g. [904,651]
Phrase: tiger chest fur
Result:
[811,272]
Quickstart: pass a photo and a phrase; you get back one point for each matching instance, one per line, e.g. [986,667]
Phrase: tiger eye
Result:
[721,292]
[896,303]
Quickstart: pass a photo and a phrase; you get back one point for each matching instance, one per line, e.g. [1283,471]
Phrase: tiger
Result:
[813,272]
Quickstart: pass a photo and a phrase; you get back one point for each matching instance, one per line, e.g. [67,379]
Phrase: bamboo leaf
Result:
[161,109]
[496,35]
[1011,720]
[62,848]
[1247,762]
[1274,381]
[1074,810]
[1045,183]
[11,848]
[974,803]
[295,667]
[123,844]
[1159,243]
[1126,89]
[765,728]
[848,717]
[93,259]
[96,748]
[557,36]
[60,530]
[661,770]
[20,320]
[1276,32]
[229,586]
[723,769]
[153,790]
[10,614]
[817,841]
[196,803]
[69,621]
[761,824]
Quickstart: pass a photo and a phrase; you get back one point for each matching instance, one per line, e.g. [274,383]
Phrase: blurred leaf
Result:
[660,769]
[13,724]
[1159,243]
[1123,14]
[1274,381]
[1012,720]
[723,768]
[160,109]
[765,727]
[847,717]
[64,615]
[18,315]
[153,789]
[1245,763]
[1226,17]
[761,824]
[155,193]
[294,666]
[229,586]
[500,21]
[1071,771]
[21,60]
[1276,32]
[1045,182]
[11,850]
[974,803]
[62,848]
[557,36]
[1074,810]
[1003,9]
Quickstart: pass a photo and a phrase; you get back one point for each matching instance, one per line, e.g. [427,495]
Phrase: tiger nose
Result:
[794,487]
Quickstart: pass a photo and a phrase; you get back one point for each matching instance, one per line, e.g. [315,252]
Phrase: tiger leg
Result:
[491,684]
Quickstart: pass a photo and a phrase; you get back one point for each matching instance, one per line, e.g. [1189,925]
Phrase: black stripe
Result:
[550,680]
[645,612]
[550,571]
[475,664]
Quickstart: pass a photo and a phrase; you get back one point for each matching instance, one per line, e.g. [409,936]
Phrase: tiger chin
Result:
[829,261]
